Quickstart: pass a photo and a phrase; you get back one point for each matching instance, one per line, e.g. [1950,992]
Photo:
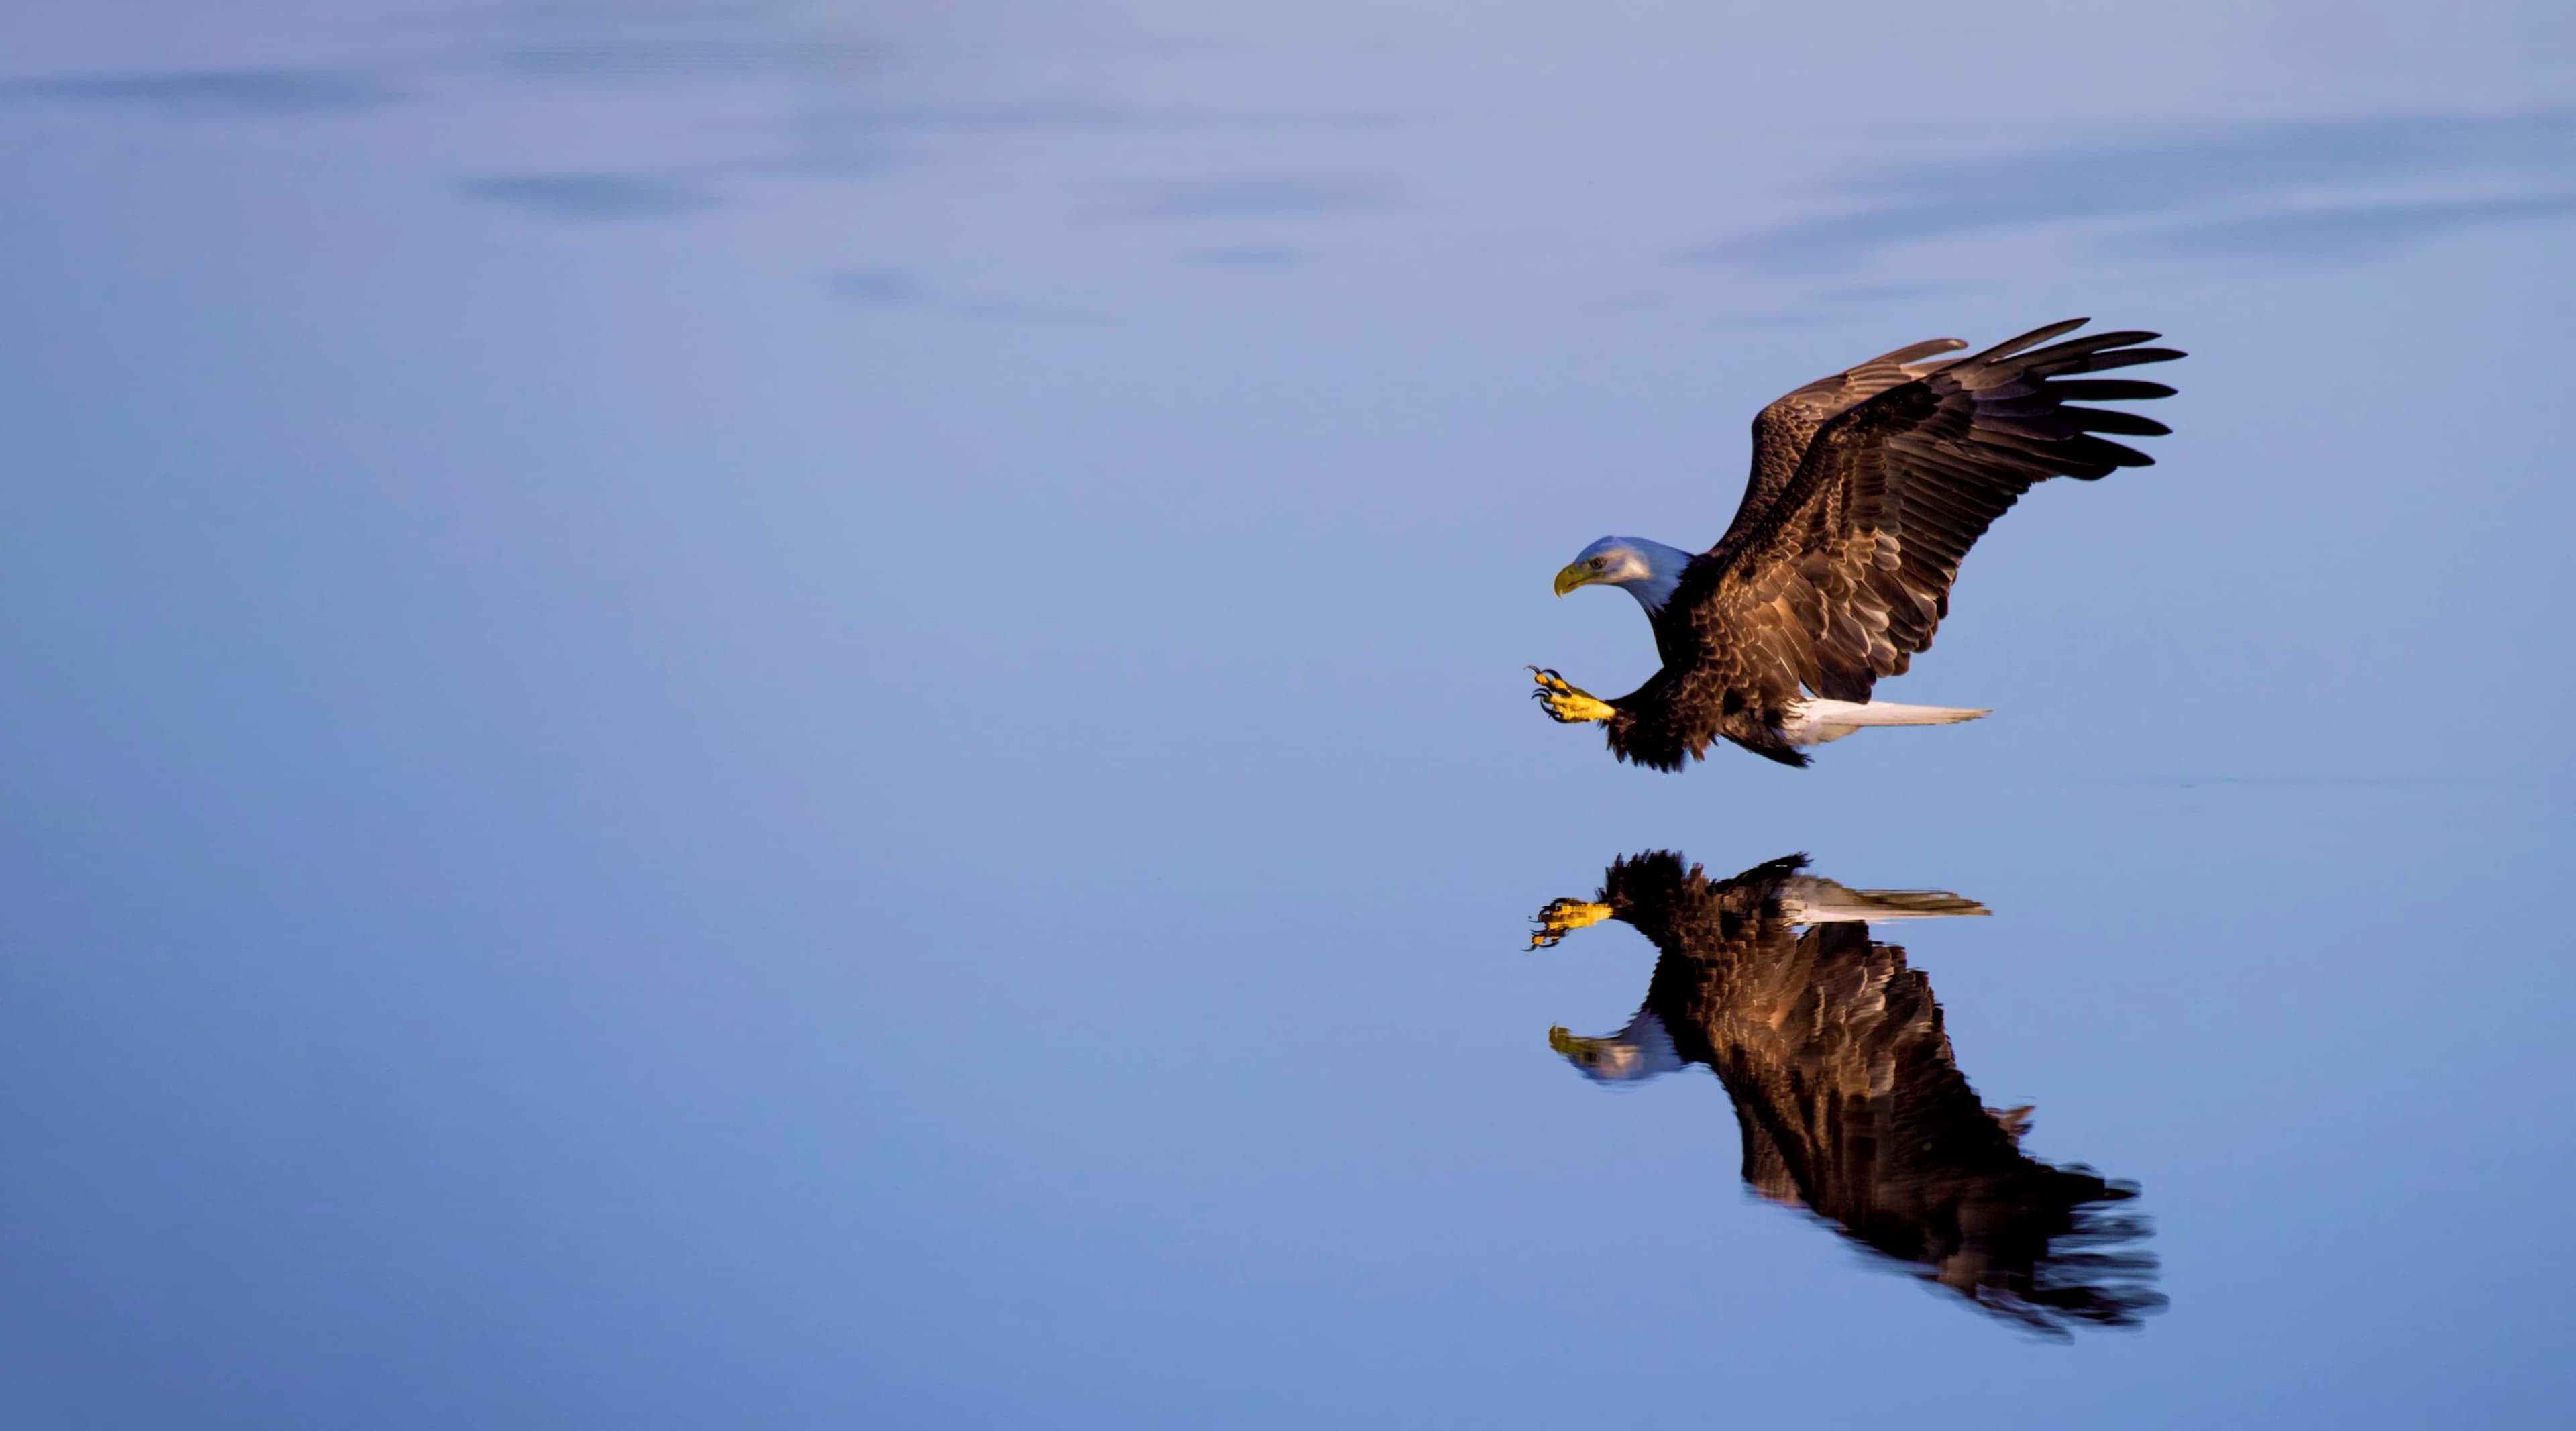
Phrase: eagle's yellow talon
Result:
[1565,703]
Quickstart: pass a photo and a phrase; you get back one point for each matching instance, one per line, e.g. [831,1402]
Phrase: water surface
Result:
[811,715]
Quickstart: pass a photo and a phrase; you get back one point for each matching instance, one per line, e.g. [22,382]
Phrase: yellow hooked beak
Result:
[1579,574]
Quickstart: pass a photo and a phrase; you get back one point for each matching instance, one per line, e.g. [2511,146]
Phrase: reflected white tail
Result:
[1821,721]
[1809,900]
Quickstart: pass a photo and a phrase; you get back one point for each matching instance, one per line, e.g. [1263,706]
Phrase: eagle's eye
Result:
[1600,562]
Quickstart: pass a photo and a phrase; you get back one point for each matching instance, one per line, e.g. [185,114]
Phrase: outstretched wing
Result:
[1849,573]
[1782,431]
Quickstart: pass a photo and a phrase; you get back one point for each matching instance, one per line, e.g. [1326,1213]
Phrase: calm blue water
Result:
[811,715]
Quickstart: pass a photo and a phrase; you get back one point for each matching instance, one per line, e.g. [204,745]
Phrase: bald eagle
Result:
[1868,487]
[1845,1091]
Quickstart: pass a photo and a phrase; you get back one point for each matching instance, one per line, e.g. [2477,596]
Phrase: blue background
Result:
[811,715]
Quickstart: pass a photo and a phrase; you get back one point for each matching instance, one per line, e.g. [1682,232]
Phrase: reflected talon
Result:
[1563,917]
[1565,703]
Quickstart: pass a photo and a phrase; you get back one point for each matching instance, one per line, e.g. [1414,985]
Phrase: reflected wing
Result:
[1848,572]
[1852,1105]
[1782,431]
[1849,1100]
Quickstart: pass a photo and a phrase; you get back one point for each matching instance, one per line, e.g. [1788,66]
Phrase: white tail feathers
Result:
[1819,721]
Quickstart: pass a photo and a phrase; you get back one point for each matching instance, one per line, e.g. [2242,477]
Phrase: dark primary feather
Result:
[1852,1106]
[1837,572]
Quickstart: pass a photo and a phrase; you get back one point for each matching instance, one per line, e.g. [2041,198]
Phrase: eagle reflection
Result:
[1850,1104]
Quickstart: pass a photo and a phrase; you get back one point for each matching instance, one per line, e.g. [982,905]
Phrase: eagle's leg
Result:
[1563,917]
[1568,704]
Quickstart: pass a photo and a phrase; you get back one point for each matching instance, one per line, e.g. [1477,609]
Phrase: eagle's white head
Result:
[1649,570]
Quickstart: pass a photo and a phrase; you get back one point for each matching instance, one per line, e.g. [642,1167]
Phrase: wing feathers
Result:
[2059,357]
[2127,424]
[2010,346]
[2109,389]
[2128,358]
[1782,430]
[1915,352]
